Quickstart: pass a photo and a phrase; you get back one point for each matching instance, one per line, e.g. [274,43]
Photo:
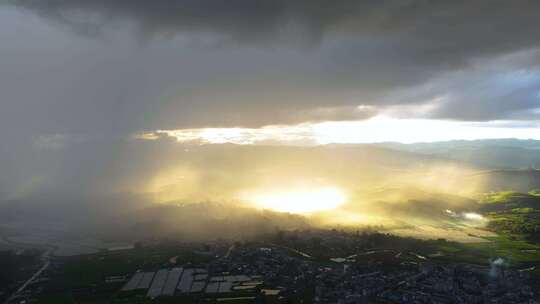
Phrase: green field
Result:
[515,218]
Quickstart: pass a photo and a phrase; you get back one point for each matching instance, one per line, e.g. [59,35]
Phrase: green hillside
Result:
[513,213]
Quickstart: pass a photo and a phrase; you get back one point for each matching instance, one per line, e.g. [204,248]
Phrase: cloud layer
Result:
[253,63]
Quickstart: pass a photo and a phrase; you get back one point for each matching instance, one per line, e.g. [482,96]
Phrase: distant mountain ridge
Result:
[506,180]
[487,153]
[505,164]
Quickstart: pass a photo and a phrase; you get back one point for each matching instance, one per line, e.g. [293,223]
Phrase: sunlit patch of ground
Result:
[463,228]
[458,234]
[303,201]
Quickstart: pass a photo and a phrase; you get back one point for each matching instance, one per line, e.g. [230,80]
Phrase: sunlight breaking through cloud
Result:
[377,129]
[300,201]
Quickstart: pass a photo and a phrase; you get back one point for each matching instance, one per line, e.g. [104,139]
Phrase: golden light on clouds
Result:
[300,201]
[377,129]
[239,136]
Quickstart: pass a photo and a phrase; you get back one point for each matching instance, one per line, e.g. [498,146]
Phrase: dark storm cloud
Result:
[267,62]
[445,32]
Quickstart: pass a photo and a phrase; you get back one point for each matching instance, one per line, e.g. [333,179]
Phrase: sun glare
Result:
[302,201]
[377,129]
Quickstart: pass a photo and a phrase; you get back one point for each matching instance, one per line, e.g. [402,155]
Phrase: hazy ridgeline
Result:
[193,192]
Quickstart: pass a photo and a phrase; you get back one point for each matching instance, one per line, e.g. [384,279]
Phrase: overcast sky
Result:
[99,72]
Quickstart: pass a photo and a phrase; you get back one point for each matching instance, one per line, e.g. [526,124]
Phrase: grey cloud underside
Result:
[267,62]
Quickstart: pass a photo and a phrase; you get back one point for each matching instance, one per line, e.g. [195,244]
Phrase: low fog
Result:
[163,189]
